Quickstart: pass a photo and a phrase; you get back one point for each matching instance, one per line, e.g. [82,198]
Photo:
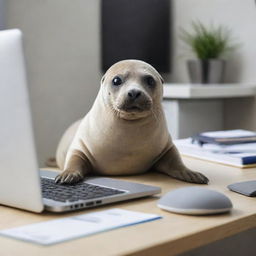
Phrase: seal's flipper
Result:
[171,164]
[76,169]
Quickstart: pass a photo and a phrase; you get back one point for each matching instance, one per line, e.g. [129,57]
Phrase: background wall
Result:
[61,40]
[62,37]
[2,9]
[240,17]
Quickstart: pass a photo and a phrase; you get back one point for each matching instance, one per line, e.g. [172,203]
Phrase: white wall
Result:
[63,57]
[61,39]
[240,17]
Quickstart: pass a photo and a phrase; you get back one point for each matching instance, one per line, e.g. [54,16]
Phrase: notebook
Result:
[228,137]
[213,153]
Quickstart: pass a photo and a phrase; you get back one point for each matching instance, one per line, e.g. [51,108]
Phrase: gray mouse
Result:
[195,201]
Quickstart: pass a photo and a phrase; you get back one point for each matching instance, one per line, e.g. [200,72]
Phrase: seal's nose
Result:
[134,94]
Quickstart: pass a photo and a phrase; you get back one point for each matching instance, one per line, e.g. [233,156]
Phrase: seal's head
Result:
[132,88]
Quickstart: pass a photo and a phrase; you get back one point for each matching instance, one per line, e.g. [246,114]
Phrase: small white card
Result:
[59,230]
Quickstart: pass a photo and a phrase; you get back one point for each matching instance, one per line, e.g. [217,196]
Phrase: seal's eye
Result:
[116,81]
[150,81]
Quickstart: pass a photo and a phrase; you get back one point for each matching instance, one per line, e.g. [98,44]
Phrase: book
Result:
[226,137]
[236,158]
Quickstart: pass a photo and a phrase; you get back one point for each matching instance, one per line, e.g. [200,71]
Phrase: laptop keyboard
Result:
[72,193]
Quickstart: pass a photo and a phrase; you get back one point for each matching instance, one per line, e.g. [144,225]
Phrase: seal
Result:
[125,132]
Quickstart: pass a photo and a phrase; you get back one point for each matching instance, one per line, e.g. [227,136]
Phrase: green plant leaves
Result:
[208,42]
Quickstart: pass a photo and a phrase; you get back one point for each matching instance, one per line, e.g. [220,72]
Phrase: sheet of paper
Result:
[59,230]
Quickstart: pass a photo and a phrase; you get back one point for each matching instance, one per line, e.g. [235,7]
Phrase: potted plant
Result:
[210,45]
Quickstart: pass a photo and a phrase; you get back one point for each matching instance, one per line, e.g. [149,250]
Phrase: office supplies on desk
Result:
[235,148]
[59,230]
[228,137]
[211,152]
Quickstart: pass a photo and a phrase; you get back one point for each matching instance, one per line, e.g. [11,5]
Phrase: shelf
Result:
[213,91]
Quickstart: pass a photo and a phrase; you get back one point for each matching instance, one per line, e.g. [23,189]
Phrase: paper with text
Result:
[59,230]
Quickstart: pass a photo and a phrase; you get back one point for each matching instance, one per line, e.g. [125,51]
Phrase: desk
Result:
[168,236]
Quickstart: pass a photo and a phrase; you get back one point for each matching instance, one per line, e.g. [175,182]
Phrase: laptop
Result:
[22,184]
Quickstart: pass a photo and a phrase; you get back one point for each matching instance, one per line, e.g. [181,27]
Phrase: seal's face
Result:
[132,88]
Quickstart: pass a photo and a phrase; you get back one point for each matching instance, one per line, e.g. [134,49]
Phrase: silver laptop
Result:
[22,185]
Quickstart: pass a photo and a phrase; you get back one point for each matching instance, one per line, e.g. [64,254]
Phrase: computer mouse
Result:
[195,201]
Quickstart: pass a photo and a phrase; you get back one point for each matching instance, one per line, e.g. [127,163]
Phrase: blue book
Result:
[248,159]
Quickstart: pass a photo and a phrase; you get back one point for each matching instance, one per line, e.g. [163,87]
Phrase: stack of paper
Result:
[226,137]
[241,155]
